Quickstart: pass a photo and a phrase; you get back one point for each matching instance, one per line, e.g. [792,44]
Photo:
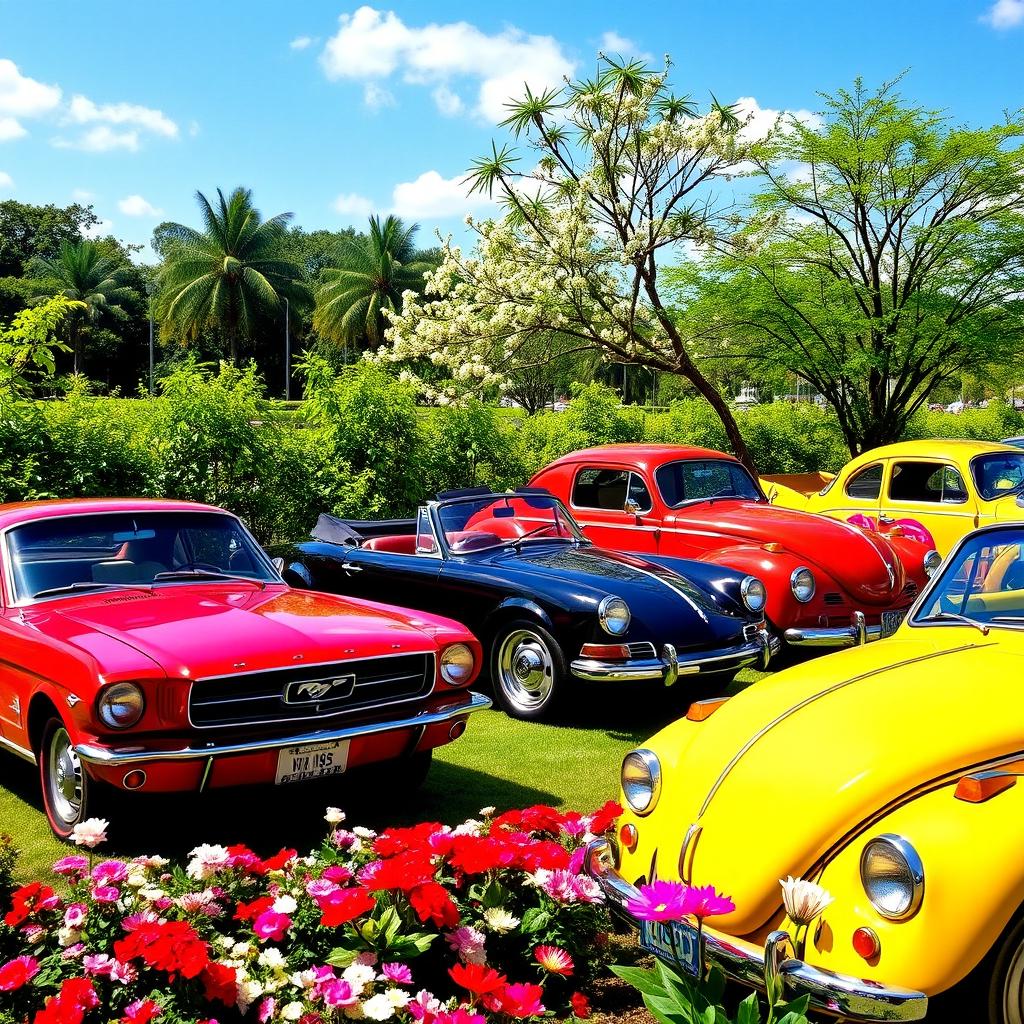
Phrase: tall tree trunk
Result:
[76,347]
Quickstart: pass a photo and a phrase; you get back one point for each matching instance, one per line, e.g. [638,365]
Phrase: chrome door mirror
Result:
[278,564]
[632,506]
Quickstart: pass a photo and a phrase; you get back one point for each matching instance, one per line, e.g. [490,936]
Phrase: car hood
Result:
[211,630]
[864,564]
[663,602]
[780,773]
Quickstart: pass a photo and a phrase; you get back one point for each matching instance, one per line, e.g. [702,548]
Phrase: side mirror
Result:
[278,563]
[632,506]
[1020,500]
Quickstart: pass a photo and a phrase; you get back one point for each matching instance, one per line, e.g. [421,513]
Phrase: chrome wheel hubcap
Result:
[1013,989]
[65,777]
[526,670]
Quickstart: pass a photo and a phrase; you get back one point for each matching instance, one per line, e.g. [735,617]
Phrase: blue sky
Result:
[332,110]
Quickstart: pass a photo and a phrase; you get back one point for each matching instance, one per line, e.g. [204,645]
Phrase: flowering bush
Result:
[427,924]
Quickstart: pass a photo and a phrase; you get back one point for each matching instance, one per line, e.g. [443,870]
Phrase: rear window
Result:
[696,479]
[867,484]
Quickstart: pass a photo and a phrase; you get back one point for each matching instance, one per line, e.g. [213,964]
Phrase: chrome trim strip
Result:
[14,748]
[667,667]
[94,753]
[745,962]
[685,854]
[854,635]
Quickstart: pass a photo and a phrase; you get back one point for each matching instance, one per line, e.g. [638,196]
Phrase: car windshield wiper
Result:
[70,588]
[956,617]
[206,574]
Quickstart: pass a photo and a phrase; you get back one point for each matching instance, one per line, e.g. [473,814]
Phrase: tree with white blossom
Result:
[622,177]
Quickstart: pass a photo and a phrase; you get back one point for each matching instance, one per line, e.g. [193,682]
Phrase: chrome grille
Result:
[641,650]
[309,691]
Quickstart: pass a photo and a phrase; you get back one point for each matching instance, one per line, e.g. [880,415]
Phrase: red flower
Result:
[18,972]
[539,818]
[476,855]
[69,1006]
[521,1000]
[432,902]
[405,872]
[345,905]
[278,861]
[142,1011]
[170,946]
[580,1005]
[605,817]
[240,856]
[398,840]
[545,854]
[28,900]
[554,960]
[220,983]
[250,911]
[477,979]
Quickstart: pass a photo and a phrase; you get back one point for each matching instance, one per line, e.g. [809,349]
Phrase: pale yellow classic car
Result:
[886,774]
[948,486]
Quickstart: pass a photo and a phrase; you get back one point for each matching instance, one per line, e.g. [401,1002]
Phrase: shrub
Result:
[8,861]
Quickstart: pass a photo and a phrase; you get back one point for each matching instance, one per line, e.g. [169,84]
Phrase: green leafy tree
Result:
[370,274]
[228,275]
[28,345]
[885,255]
[82,271]
[28,231]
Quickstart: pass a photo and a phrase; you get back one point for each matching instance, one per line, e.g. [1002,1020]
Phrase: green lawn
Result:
[499,762]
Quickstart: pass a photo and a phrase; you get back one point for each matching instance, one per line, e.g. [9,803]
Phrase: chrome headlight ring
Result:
[892,874]
[641,780]
[457,664]
[120,705]
[753,594]
[802,583]
[614,615]
[932,561]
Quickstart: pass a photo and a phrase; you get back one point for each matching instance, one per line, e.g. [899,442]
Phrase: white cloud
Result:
[1005,14]
[431,197]
[6,181]
[11,128]
[99,230]
[373,44]
[449,103]
[376,96]
[301,42]
[761,120]
[23,96]
[136,206]
[352,205]
[614,44]
[101,139]
[83,111]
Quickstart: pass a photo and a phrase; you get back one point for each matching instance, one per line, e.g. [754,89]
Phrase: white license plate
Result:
[674,941]
[891,621]
[311,761]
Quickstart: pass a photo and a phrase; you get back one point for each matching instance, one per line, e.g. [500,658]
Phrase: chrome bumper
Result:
[671,665]
[853,635]
[94,753]
[749,965]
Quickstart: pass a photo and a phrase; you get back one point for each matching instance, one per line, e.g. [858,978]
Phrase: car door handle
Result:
[351,567]
[883,518]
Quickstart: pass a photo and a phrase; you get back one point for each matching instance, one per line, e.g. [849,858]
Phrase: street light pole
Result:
[150,289]
[287,355]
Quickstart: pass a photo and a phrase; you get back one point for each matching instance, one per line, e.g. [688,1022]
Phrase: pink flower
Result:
[106,894]
[659,901]
[468,943]
[18,972]
[73,952]
[554,960]
[135,921]
[74,865]
[337,873]
[74,916]
[318,888]
[703,902]
[271,925]
[109,871]
[266,1010]
[576,860]
[398,973]
[142,1011]
[123,973]
[98,963]
[336,992]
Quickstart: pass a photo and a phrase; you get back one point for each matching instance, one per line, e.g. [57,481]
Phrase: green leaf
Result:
[749,1012]
[341,957]
[647,982]
[668,1011]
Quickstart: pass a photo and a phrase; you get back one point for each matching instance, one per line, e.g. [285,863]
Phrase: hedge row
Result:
[364,449]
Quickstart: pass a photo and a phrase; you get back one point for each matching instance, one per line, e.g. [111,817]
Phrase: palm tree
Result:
[83,273]
[228,274]
[370,275]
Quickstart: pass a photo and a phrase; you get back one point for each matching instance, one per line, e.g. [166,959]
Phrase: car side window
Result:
[425,544]
[608,489]
[867,484]
[933,482]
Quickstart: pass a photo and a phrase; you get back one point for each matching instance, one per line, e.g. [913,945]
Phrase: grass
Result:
[499,761]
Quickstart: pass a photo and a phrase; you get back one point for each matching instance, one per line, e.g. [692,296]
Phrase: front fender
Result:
[511,605]
[974,883]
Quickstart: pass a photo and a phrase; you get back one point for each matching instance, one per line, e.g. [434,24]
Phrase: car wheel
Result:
[1006,977]
[527,670]
[69,795]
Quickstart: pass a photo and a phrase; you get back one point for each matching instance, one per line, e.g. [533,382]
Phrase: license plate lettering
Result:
[891,622]
[673,941]
[311,761]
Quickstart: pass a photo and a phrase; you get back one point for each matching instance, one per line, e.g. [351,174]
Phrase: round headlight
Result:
[614,615]
[121,705]
[932,561]
[641,780]
[753,592]
[456,664]
[893,877]
[802,584]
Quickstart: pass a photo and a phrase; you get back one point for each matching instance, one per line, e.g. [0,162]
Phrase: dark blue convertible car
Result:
[549,606]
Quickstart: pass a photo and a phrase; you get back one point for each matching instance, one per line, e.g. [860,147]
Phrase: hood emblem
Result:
[315,691]
[892,575]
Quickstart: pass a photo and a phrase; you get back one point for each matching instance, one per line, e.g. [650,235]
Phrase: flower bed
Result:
[439,925]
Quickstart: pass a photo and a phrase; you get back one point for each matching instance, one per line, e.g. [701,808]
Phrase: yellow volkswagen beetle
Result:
[886,774]
[948,486]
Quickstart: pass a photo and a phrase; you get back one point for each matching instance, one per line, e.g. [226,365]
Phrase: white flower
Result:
[803,900]
[291,1011]
[207,860]
[90,832]
[68,936]
[499,920]
[378,1007]
[272,958]
[285,904]
[334,816]
[487,812]
[398,998]
[152,892]
[364,833]
[240,949]
[249,990]
[359,976]
[303,979]
[136,880]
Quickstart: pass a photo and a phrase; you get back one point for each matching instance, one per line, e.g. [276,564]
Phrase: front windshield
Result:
[699,479]
[65,554]
[983,582]
[477,524]
[998,474]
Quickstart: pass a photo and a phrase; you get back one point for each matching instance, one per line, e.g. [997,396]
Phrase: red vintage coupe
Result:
[829,584]
[152,646]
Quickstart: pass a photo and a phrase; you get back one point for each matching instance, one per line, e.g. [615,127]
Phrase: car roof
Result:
[29,511]
[935,447]
[647,456]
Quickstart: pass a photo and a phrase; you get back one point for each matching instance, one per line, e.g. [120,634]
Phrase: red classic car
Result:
[152,646]
[829,584]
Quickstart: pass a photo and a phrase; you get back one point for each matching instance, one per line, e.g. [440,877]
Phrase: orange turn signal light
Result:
[604,651]
[628,837]
[772,545]
[866,943]
[982,786]
[702,710]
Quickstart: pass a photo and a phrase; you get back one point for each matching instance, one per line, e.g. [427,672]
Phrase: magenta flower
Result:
[271,925]
[109,871]
[337,873]
[398,973]
[74,915]
[71,866]
[338,993]
[266,1010]
[703,902]
[106,894]
[659,901]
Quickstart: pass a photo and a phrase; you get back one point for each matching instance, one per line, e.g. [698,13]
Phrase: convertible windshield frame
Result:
[266,571]
[441,534]
[918,618]
[731,464]
[1018,488]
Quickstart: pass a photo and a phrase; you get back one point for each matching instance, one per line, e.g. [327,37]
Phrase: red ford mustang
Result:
[152,646]
[829,584]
